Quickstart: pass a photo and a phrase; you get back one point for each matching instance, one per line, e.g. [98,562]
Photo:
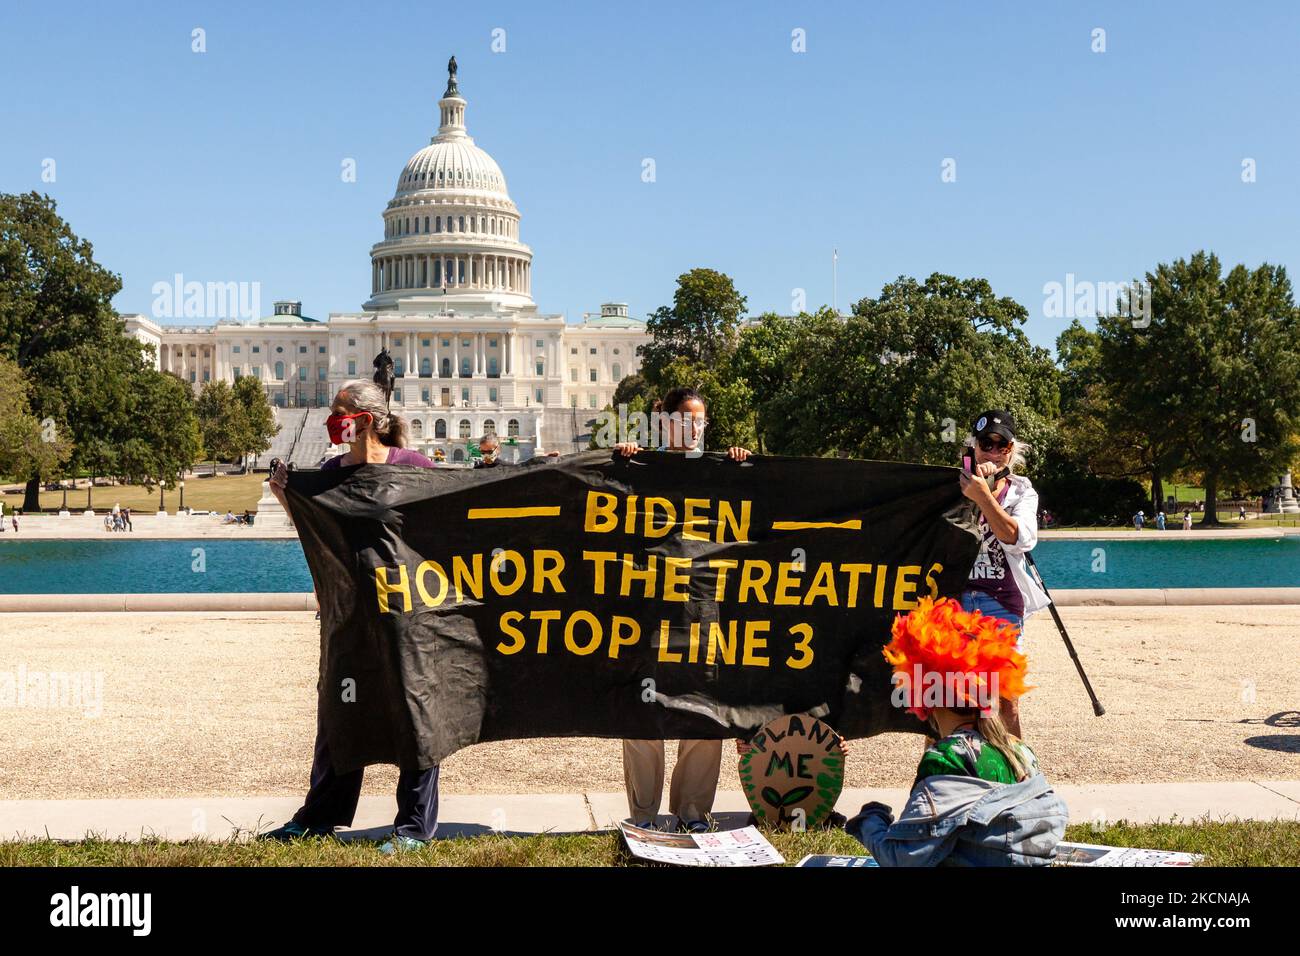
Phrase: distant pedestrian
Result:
[1187,520]
[1241,512]
[126,516]
[14,519]
[1139,520]
[1160,521]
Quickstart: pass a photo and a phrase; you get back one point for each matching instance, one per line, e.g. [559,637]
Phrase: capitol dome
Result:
[451,230]
[452,164]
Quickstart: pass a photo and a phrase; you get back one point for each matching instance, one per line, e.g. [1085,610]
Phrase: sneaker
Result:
[694,826]
[402,844]
[646,824]
[295,831]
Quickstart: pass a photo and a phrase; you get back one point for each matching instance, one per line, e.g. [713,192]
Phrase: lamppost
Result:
[182,507]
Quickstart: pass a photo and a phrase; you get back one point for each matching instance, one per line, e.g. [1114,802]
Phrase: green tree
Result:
[255,423]
[904,375]
[762,360]
[220,418]
[701,326]
[1225,370]
[54,298]
[165,439]
[26,445]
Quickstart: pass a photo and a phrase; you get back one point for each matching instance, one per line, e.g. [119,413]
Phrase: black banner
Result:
[661,596]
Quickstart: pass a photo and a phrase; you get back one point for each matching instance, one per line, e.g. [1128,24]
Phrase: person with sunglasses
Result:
[1000,583]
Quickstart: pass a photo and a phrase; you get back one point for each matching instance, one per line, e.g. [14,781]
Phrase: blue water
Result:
[148,565]
[143,565]
[1155,562]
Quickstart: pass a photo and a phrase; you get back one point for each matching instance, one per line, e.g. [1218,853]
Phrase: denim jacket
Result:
[965,821]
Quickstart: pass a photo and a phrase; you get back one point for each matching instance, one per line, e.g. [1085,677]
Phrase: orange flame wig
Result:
[939,638]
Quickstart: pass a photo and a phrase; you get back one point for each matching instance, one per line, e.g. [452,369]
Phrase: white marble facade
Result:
[450,298]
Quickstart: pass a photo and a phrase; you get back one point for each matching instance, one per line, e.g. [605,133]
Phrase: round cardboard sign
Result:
[793,772]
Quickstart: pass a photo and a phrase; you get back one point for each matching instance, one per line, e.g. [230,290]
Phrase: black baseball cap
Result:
[996,422]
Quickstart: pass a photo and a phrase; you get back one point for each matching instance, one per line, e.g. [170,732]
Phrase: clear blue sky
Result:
[225,166]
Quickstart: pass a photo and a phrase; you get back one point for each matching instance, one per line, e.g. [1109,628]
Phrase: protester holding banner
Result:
[682,418]
[360,417]
[979,798]
[1000,583]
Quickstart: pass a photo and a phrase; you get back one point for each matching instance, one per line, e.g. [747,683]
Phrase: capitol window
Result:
[352,366]
[302,350]
[352,341]
[464,428]
[235,349]
[437,224]
[591,374]
[540,366]
[489,427]
[440,428]
[512,428]
[492,395]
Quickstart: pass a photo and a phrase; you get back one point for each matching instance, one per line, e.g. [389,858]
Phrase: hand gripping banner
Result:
[659,596]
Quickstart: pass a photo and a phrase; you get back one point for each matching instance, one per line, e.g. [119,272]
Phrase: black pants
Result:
[332,799]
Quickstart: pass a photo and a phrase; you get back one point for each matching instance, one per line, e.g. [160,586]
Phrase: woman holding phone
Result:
[1000,583]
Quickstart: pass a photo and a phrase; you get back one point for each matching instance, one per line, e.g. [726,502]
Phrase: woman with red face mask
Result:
[360,419]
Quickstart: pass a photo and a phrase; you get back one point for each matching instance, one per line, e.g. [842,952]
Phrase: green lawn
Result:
[222,493]
[1224,844]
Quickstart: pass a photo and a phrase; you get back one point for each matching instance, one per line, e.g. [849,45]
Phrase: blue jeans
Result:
[987,604]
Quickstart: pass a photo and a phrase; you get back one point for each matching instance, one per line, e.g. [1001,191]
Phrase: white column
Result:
[455,355]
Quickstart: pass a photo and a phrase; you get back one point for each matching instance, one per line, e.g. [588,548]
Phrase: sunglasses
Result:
[993,444]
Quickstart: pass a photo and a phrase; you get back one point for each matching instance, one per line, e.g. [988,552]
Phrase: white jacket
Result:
[1022,504]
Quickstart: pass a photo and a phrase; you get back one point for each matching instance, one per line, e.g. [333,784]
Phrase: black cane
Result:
[1051,606]
[1069,646]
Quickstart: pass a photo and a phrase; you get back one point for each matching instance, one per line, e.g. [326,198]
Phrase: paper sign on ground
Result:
[743,847]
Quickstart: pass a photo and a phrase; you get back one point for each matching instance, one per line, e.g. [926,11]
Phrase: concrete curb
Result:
[1173,597]
[216,601]
[306,601]
[219,818]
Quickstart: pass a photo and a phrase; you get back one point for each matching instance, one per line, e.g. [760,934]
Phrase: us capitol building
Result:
[450,298]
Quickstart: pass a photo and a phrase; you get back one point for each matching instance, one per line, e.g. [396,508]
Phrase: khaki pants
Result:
[694,784]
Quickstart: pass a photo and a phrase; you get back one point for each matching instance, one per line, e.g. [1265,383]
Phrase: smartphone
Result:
[968,461]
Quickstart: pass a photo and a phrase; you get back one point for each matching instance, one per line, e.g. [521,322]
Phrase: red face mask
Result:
[337,424]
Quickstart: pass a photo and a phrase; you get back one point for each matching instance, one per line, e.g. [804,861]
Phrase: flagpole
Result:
[835,281]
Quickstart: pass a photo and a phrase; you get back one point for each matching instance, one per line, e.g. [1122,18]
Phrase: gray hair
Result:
[363,396]
[1019,449]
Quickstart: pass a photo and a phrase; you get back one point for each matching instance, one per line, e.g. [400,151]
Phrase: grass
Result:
[206,493]
[1250,843]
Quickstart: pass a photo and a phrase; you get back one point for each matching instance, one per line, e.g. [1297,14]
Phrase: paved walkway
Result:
[467,814]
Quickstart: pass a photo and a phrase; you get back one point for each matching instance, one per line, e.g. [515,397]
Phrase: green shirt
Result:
[965,753]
